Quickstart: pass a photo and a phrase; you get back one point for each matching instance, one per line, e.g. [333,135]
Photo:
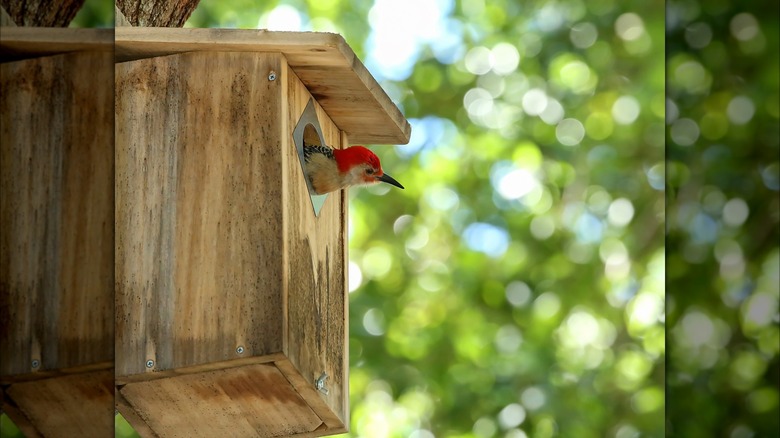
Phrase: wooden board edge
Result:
[131,416]
[20,420]
[226,364]
[306,390]
[133,43]
[48,374]
[345,244]
[30,42]
[286,142]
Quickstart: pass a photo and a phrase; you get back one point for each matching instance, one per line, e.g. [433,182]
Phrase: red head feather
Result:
[356,155]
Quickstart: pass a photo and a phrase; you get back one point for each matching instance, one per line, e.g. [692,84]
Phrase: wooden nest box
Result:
[231,294]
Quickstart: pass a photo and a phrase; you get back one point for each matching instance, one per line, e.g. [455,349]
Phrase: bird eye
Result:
[370,171]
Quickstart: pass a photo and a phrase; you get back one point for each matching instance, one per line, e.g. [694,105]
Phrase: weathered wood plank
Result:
[315,249]
[32,42]
[249,401]
[57,213]
[198,210]
[324,62]
[68,406]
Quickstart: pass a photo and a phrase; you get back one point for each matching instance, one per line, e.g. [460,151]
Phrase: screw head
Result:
[35,363]
[240,350]
[149,363]
[272,76]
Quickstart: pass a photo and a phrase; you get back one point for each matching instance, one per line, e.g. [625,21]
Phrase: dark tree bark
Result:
[157,13]
[42,13]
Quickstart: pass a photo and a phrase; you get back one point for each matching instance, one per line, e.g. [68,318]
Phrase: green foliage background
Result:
[517,286]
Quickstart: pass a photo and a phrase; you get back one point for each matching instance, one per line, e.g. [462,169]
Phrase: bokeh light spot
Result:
[547,305]
[685,132]
[744,26]
[511,416]
[534,101]
[506,58]
[620,212]
[355,276]
[583,35]
[625,110]
[735,212]
[570,132]
[629,26]
[740,110]
[518,293]
[533,398]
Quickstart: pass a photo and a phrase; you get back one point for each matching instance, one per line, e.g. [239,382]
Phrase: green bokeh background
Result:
[531,276]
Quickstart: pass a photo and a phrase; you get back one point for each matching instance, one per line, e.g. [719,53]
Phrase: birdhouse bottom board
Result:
[262,399]
[230,292]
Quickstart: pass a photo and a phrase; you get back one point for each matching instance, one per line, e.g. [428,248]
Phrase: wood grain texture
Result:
[20,43]
[57,213]
[67,406]
[249,401]
[316,318]
[198,210]
[324,62]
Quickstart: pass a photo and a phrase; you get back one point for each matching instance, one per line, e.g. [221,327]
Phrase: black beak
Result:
[390,180]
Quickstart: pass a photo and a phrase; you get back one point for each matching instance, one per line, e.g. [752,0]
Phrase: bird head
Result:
[359,165]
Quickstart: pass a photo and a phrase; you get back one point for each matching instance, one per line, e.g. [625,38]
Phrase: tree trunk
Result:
[157,13]
[42,13]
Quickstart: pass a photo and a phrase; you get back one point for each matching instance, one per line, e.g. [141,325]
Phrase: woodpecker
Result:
[330,169]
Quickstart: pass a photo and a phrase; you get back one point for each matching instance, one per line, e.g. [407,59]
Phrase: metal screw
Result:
[320,383]
[149,363]
[272,76]
[35,363]
[240,350]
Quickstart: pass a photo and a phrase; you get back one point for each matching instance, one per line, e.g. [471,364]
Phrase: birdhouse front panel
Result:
[56,212]
[199,198]
[56,230]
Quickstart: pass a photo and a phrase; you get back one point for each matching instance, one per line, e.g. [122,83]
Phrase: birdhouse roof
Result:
[324,62]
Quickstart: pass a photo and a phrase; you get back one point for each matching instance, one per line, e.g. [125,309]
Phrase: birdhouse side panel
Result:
[316,319]
[199,210]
